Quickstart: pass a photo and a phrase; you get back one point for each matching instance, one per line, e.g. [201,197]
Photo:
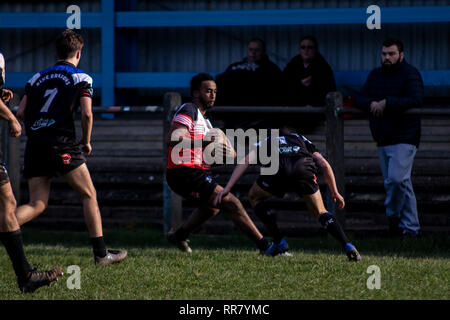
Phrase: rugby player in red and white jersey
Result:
[189,175]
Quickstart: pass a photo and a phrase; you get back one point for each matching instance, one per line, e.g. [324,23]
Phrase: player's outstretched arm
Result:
[87,120]
[235,176]
[328,175]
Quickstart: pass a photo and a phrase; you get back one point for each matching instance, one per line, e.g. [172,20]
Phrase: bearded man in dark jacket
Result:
[389,91]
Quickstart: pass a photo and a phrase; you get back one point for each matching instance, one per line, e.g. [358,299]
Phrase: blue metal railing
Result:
[108,19]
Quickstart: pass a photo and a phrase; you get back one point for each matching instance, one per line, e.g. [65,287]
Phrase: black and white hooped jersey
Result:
[53,97]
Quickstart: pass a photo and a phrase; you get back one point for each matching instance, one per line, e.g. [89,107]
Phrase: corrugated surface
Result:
[30,50]
[346,47]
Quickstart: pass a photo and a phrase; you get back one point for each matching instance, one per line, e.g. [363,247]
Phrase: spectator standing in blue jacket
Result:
[389,91]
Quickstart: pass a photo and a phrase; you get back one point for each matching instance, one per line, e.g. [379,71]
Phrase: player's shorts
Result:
[192,184]
[45,161]
[294,175]
[4,178]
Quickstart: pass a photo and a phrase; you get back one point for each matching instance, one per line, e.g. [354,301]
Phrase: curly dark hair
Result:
[196,81]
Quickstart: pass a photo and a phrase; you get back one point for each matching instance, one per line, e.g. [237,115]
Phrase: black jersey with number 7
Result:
[53,97]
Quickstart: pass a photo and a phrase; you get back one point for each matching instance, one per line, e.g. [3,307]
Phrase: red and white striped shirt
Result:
[198,126]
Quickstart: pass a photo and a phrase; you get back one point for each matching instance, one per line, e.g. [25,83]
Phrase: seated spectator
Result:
[308,77]
[250,82]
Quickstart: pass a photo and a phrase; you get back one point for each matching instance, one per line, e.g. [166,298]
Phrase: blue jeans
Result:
[396,163]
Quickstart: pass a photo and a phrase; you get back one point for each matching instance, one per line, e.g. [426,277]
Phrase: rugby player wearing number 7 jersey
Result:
[48,107]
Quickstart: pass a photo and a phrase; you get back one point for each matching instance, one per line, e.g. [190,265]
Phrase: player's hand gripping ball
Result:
[221,147]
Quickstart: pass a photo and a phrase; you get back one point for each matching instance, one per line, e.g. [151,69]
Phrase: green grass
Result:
[229,267]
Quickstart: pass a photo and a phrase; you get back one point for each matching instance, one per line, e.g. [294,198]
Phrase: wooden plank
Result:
[172,203]
[335,150]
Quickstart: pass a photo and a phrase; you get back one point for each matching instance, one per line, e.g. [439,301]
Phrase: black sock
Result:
[269,220]
[181,234]
[262,244]
[13,243]
[98,245]
[333,227]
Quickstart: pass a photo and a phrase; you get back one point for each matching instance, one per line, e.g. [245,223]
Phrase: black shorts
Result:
[294,175]
[4,178]
[51,161]
[192,184]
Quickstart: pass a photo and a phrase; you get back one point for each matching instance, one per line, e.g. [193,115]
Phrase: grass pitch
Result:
[229,268]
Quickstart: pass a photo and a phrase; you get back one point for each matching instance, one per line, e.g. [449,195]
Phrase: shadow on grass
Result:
[436,246]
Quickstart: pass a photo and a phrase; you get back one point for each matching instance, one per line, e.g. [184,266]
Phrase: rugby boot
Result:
[183,245]
[38,278]
[280,248]
[352,253]
[112,256]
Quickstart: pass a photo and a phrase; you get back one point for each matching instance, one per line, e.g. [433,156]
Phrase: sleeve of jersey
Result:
[263,146]
[310,146]
[84,83]
[185,116]
[86,90]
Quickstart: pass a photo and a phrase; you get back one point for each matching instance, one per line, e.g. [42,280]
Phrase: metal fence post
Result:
[172,203]
[335,149]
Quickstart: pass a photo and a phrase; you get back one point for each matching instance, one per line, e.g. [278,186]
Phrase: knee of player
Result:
[39,205]
[231,204]
[88,194]
[10,204]
[253,198]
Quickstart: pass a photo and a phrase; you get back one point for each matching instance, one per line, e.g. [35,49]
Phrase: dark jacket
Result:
[322,81]
[249,84]
[403,89]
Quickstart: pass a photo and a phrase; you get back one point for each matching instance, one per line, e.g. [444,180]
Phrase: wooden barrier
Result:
[335,150]
[172,203]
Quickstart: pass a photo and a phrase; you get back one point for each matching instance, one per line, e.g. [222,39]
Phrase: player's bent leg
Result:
[199,216]
[8,220]
[257,197]
[317,208]
[80,180]
[28,279]
[234,207]
[314,203]
[195,220]
[39,189]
